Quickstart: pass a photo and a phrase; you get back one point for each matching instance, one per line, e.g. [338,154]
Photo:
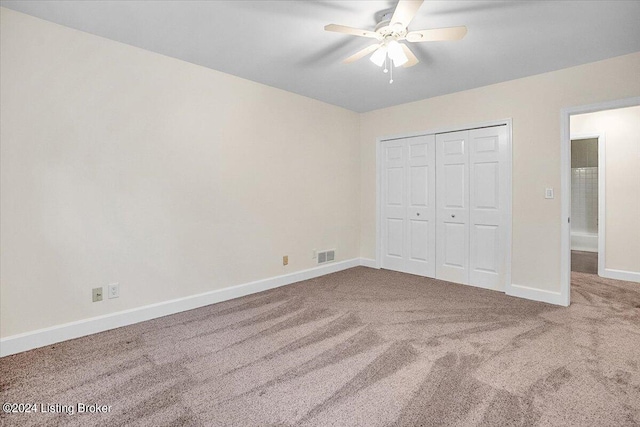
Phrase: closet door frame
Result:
[377,263]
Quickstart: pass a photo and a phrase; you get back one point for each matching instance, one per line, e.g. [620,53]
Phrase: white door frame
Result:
[601,192]
[565,186]
[379,165]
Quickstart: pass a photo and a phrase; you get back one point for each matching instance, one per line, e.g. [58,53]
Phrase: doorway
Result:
[618,248]
[587,183]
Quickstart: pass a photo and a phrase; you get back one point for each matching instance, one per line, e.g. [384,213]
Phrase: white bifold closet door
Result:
[452,235]
[408,205]
[472,196]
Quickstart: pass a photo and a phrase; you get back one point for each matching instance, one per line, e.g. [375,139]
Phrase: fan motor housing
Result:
[386,29]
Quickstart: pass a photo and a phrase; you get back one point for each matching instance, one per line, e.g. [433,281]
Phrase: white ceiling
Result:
[283,44]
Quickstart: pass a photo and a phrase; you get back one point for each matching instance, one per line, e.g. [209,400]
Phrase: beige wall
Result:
[621,128]
[121,165]
[534,104]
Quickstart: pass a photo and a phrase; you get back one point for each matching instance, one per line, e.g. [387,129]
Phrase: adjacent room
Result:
[584,204]
[319,213]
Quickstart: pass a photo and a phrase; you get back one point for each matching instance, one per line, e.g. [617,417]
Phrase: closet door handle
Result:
[453,216]
[418,213]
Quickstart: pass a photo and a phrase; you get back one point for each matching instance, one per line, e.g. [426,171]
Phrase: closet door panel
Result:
[421,206]
[395,238]
[486,248]
[419,231]
[409,205]
[455,236]
[454,176]
[452,211]
[393,205]
[488,203]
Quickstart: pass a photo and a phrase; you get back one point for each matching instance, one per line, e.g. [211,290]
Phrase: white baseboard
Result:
[536,294]
[629,276]
[368,262]
[47,336]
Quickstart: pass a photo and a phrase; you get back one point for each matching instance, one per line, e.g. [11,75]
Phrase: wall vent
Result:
[331,255]
[326,256]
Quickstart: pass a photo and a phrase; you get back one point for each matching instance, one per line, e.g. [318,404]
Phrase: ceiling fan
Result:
[390,31]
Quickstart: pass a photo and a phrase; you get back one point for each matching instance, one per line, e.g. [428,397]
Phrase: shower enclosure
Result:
[584,195]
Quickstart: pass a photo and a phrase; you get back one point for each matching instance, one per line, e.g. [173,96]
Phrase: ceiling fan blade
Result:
[352,31]
[437,34]
[412,58]
[405,11]
[364,52]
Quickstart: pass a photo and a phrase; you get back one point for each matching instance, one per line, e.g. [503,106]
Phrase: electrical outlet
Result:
[97,294]
[285,260]
[113,290]
[548,193]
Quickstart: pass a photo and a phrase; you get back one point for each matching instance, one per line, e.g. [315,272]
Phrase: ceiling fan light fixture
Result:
[379,56]
[391,33]
[399,63]
[396,54]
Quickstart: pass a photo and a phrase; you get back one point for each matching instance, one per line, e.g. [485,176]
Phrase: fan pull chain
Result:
[386,60]
[391,74]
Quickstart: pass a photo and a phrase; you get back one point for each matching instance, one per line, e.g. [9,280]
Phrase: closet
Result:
[445,206]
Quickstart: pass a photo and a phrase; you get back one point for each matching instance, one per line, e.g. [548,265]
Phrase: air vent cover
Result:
[331,255]
[326,256]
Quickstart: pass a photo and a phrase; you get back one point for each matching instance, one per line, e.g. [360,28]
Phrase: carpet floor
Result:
[361,347]
[584,262]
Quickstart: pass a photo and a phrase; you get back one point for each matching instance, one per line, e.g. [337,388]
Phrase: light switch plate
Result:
[96,294]
[548,193]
